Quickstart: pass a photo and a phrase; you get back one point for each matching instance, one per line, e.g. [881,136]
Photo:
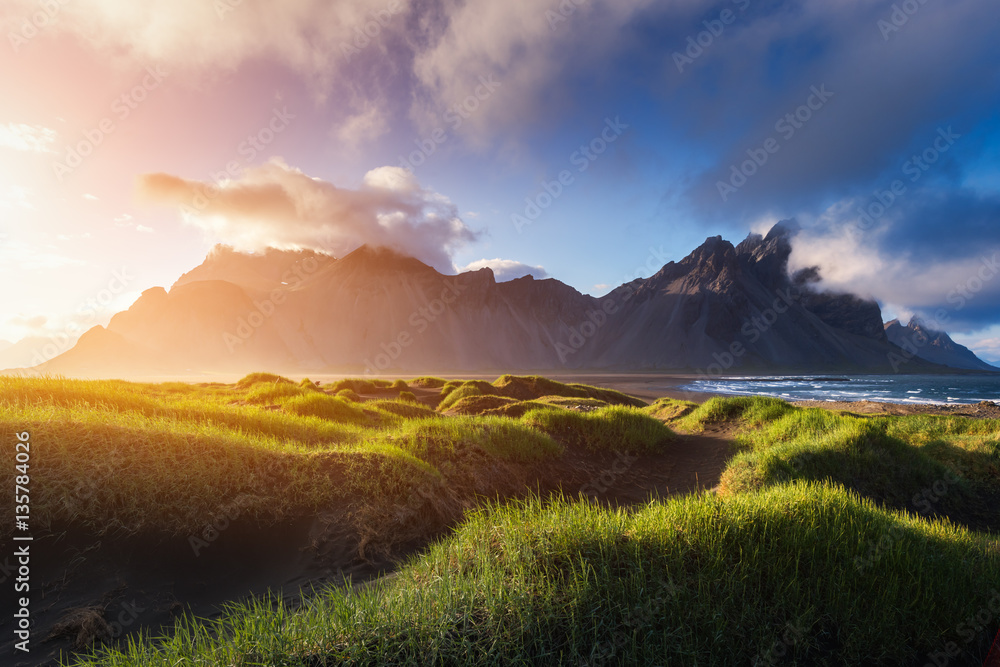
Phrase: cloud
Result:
[362,127]
[21,137]
[506,269]
[308,35]
[143,229]
[889,98]
[14,196]
[32,323]
[934,256]
[277,206]
[34,258]
[525,46]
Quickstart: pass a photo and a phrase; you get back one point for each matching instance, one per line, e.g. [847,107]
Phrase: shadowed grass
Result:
[765,572]
[696,580]
[927,464]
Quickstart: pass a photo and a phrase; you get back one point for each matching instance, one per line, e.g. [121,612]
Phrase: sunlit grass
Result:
[769,562]
[113,454]
[764,578]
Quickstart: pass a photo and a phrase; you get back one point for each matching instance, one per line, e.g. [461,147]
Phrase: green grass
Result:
[749,410]
[668,409]
[428,382]
[349,395]
[326,407]
[405,409]
[695,580]
[165,457]
[927,464]
[256,378]
[530,387]
[614,428]
[469,389]
[270,393]
[362,386]
[822,545]
[474,403]
[438,440]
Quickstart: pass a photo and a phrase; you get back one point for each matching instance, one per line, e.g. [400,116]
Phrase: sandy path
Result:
[146,581]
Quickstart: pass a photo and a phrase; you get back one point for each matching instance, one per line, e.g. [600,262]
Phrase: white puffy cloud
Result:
[277,206]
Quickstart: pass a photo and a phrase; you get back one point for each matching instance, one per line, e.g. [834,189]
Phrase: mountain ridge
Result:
[917,339]
[723,308]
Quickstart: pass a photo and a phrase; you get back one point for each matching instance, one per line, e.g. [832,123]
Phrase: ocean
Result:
[936,389]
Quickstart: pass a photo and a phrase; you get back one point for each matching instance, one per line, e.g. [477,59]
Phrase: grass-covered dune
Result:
[133,456]
[756,579]
[832,538]
[928,465]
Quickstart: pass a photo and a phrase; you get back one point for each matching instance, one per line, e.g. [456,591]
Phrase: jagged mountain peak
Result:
[918,339]
[258,271]
[378,309]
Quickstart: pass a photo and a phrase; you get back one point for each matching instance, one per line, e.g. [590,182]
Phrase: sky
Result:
[586,140]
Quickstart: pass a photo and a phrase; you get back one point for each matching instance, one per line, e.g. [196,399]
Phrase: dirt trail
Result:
[693,462]
[110,586]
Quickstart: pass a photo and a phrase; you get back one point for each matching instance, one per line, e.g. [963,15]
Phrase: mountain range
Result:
[722,309]
[934,346]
